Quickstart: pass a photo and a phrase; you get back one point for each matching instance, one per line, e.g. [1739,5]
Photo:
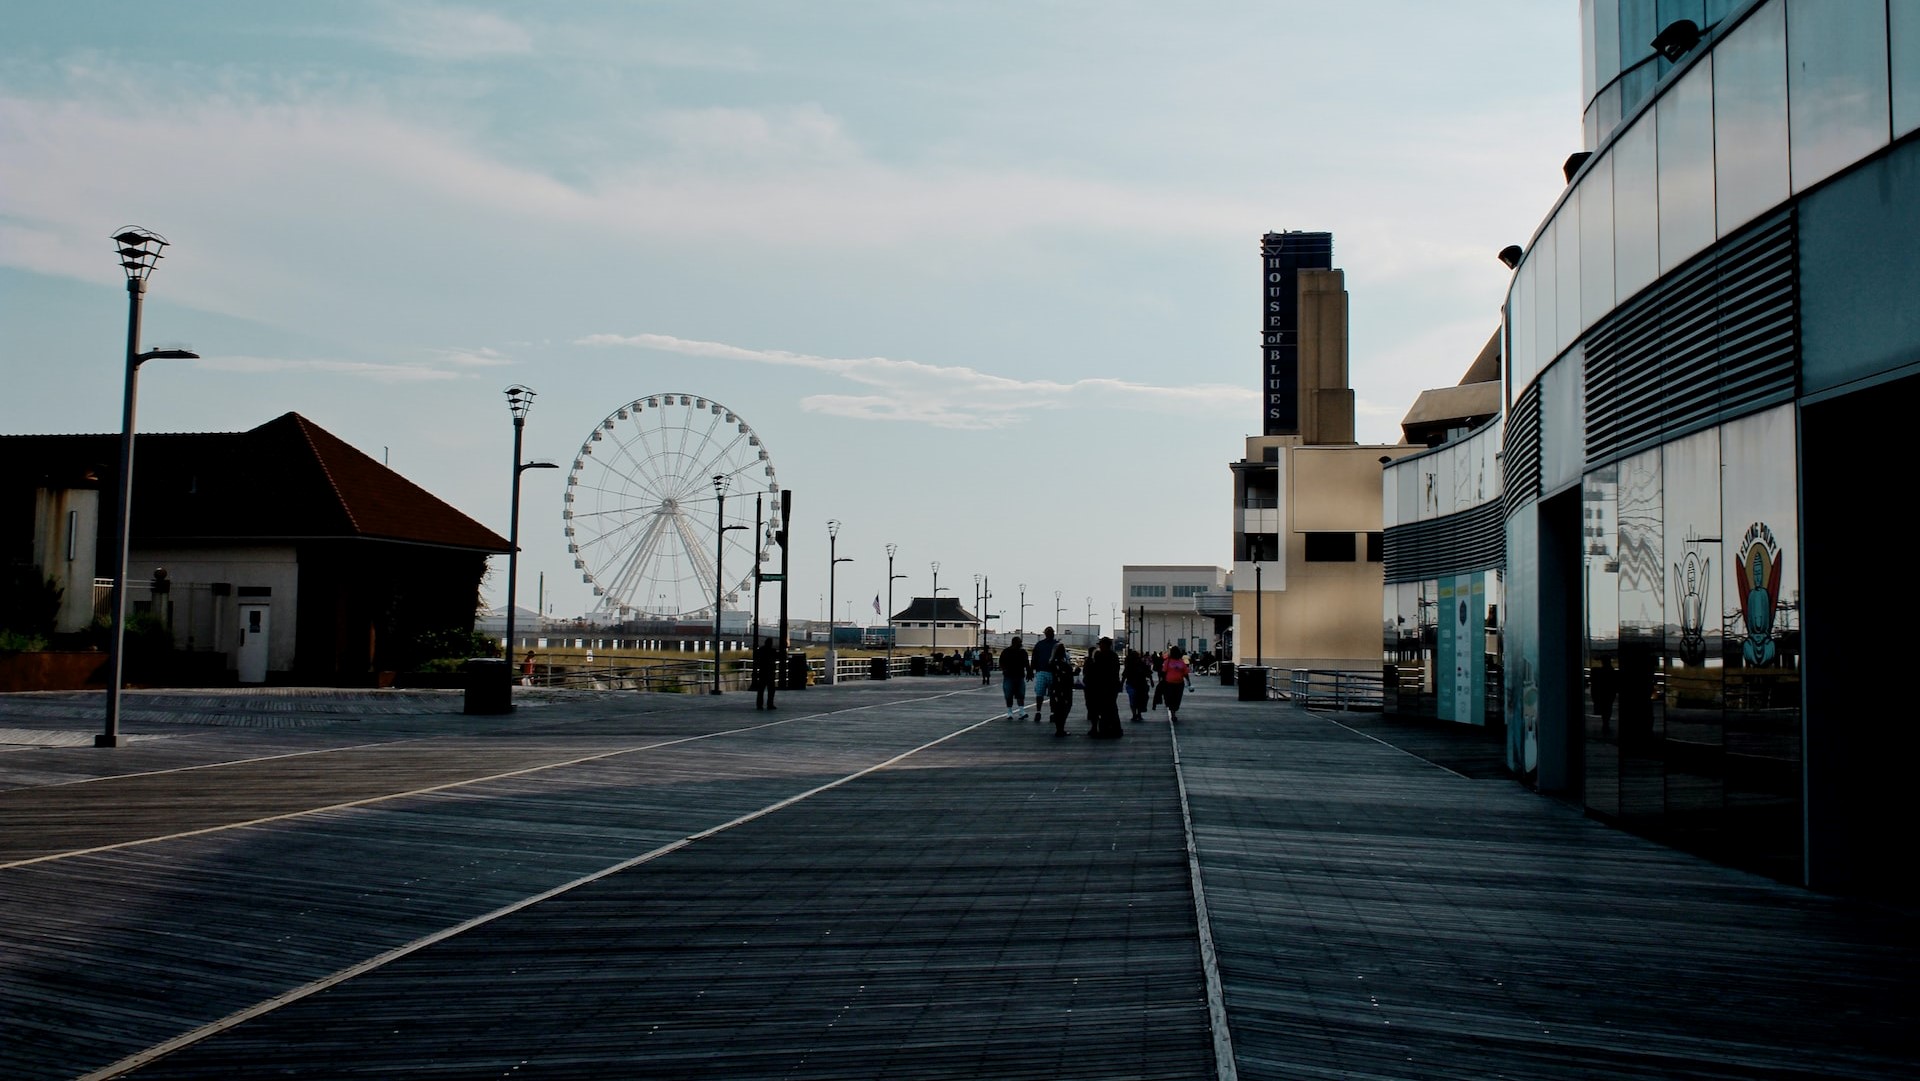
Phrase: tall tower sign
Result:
[1282,257]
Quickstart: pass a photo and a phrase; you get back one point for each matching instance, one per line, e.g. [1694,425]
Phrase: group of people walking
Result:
[1103,677]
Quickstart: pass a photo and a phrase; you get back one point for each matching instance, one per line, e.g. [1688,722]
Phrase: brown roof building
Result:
[286,550]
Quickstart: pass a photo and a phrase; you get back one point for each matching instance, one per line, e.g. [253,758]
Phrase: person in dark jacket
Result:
[1060,689]
[1013,679]
[1042,661]
[1102,679]
[1137,678]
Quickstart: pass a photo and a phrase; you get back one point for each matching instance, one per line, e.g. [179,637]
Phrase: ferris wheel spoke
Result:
[696,550]
[638,556]
[649,480]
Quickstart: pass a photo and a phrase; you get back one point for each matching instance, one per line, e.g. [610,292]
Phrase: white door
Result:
[253,643]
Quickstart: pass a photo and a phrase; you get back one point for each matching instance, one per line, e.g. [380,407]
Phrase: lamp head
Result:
[1677,39]
[519,400]
[833,527]
[1511,255]
[720,483]
[139,250]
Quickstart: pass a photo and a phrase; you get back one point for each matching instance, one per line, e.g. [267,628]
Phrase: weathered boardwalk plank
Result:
[995,904]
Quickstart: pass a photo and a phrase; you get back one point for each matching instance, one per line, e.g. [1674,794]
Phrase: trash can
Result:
[876,668]
[917,666]
[1226,673]
[1253,683]
[489,686]
[797,669]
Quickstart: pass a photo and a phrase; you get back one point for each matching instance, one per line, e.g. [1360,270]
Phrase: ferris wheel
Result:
[642,506]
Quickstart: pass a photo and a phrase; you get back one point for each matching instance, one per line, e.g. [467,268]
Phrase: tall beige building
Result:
[1307,574]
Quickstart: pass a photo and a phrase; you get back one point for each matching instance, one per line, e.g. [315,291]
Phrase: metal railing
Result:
[1319,688]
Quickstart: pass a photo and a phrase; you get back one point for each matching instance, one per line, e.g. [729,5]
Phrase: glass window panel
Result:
[1643,619]
[1750,114]
[1636,218]
[1567,273]
[1600,511]
[1520,642]
[1546,296]
[1596,241]
[1903,32]
[1608,112]
[1694,726]
[1836,86]
[1562,436]
[1762,641]
[1606,50]
[1526,362]
[1638,25]
[1587,59]
[1686,166]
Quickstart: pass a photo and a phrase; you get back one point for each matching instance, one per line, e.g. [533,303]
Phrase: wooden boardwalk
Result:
[879,880]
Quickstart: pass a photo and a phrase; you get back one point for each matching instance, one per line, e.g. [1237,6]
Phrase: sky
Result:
[982,276]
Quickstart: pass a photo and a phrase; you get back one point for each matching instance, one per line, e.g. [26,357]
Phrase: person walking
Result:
[983,660]
[1102,678]
[1173,679]
[1134,675]
[1013,679]
[1042,661]
[1060,688]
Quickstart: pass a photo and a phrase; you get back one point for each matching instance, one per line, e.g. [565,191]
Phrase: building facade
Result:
[1307,526]
[1712,347]
[1162,607]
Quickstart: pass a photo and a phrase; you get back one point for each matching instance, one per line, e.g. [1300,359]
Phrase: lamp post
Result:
[519,400]
[891,578]
[1022,630]
[139,251]
[720,482]
[1259,610]
[935,647]
[1056,612]
[833,564]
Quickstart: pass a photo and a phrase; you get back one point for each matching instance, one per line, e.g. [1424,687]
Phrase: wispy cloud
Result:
[438,32]
[379,373]
[947,396]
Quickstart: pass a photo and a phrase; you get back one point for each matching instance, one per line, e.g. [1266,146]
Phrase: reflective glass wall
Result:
[1692,654]
[1699,149]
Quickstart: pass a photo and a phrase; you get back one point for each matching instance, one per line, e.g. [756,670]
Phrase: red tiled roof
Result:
[288,479]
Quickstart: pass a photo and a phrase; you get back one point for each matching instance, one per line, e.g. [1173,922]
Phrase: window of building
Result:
[1147,591]
[1262,547]
[1376,547]
[1836,87]
[1188,591]
[1329,547]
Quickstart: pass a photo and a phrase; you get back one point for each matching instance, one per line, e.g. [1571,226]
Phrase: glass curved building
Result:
[1712,349]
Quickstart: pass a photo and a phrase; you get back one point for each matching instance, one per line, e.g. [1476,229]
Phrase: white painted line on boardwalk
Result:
[217,765]
[1225,1068]
[188,1039]
[1402,750]
[430,789]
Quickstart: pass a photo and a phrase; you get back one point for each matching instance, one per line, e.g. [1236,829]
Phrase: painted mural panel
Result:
[1760,616]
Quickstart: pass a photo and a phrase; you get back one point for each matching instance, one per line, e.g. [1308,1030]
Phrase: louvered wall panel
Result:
[1471,540]
[1715,340]
[1521,450]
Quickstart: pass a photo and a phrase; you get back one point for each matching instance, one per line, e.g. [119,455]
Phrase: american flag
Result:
[876,604]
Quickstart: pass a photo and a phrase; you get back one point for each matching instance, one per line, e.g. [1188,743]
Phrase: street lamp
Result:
[833,564]
[935,647]
[519,400]
[891,578]
[720,482]
[1056,612]
[139,251]
[1022,631]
